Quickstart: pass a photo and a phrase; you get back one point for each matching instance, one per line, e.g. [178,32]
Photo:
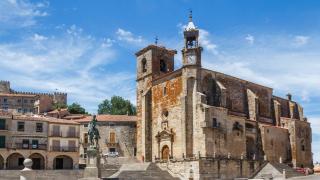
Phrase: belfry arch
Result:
[213,91]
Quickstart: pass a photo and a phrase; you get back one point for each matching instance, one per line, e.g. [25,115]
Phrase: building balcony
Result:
[4,128]
[27,146]
[111,143]
[63,149]
[67,135]
[72,135]
[55,134]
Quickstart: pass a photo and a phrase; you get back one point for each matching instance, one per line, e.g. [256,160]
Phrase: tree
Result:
[59,106]
[117,106]
[76,108]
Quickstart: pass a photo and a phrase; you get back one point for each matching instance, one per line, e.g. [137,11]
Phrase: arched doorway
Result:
[251,147]
[38,161]
[1,162]
[165,153]
[62,162]
[15,161]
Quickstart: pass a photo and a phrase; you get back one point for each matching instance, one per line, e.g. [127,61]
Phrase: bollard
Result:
[284,173]
[27,173]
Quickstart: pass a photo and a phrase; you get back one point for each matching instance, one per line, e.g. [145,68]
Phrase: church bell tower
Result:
[192,51]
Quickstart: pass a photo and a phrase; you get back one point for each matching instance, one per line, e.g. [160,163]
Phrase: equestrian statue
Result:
[93,133]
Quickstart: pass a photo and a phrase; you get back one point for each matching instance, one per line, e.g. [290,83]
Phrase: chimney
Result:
[289,96]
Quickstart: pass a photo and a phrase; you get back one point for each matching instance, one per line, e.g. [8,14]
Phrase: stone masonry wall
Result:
[210,169]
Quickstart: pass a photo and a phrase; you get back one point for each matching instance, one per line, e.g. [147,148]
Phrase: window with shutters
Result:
[2,141]
[2,124]
[112,137]
[39,127]
[20,126]
[85,138]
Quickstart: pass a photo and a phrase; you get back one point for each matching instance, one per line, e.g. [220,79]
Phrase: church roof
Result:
[152,46]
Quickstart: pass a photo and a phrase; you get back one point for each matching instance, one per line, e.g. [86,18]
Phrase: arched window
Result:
[212,90]
[163,66]
[165,113]
[302,145]
[144,65]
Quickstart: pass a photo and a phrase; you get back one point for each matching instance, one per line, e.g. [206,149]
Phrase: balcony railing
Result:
[67,135]
[56,134]
[26,146]
[111,143]
[64,148]
[72,135]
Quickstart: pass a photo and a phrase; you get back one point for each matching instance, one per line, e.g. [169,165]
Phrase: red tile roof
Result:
[58,111]
[43,119]
[110,118]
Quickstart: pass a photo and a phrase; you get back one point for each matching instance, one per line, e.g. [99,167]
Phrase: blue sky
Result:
[86,48]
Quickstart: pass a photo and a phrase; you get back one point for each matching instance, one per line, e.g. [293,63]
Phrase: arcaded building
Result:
[209,123]
[51,143]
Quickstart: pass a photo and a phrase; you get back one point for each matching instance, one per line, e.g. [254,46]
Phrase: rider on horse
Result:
[93,132]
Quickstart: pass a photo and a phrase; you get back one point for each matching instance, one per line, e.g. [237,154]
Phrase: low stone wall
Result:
[210,168]
[44,174]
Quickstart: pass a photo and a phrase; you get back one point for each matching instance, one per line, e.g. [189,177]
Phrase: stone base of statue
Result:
[92,170]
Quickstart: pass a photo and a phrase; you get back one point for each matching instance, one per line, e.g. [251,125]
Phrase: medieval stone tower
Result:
[152,62]
[4,87]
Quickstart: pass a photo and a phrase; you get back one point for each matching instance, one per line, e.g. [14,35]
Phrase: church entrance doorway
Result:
[165,153]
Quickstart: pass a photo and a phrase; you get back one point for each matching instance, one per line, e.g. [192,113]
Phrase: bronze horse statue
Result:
[93,133]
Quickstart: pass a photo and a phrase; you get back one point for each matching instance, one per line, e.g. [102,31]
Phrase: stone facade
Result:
[28,102]
[193,113]
[117,132]
[26,136]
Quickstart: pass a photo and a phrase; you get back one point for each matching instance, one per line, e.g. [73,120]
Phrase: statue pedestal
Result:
[92,170]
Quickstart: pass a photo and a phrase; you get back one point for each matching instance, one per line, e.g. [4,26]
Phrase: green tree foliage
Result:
[117,106]
[59,106]
[76,108]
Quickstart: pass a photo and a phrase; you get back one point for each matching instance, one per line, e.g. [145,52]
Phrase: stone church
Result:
[206,124]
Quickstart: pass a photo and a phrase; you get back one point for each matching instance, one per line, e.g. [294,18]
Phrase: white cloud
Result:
[72,62]
[250,39]
[301,40]
[38,37]
[206,43]
[128,37]
[20,13]
[272,63]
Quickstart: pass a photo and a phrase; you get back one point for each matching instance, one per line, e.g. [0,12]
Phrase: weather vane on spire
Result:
[190,25]
[190,15]
[156,40]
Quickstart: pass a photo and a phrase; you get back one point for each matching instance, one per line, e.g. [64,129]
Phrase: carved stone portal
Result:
[165,142]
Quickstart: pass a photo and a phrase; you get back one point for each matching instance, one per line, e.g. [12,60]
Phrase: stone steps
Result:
[141,171]
[290,172]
